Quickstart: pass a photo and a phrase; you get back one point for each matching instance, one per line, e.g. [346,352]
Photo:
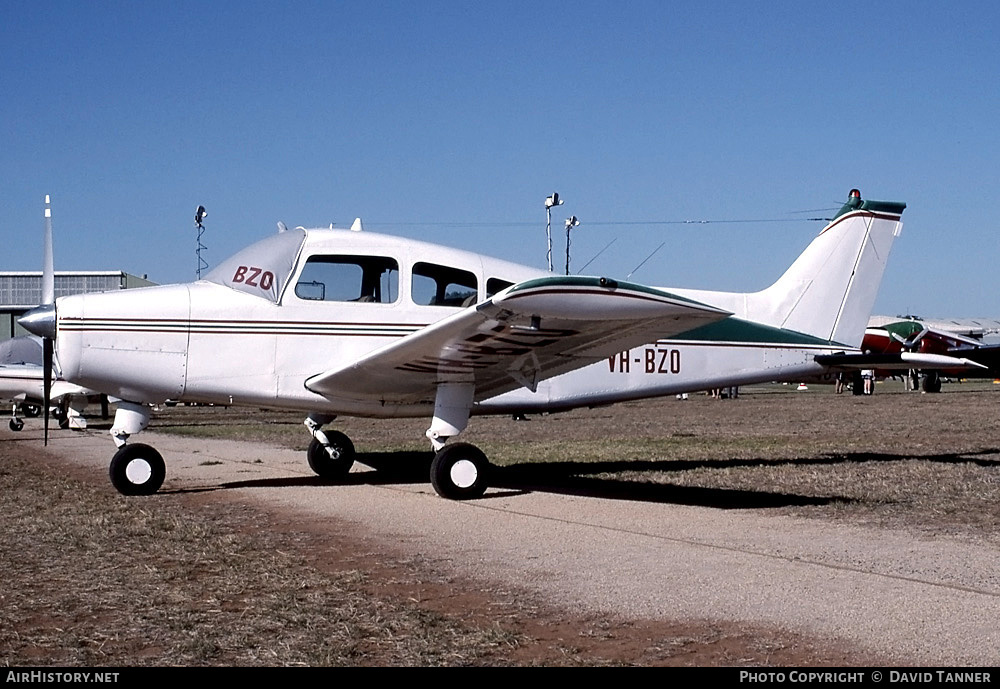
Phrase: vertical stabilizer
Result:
[829,291]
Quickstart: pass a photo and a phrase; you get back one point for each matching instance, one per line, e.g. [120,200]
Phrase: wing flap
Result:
[529,332]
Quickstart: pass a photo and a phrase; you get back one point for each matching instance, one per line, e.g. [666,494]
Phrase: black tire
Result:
[32,411]
[932,381]
[15,424]
[137,469]
[325,466]
[460,472]
[857,384]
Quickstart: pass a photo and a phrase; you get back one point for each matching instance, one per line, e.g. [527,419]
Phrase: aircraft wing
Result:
[987,356]
[899,360]
[529,332]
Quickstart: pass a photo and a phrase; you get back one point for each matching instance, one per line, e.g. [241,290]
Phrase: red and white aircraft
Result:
[335,322]
[933,349]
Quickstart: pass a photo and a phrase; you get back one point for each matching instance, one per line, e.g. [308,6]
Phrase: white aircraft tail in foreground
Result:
[338,322]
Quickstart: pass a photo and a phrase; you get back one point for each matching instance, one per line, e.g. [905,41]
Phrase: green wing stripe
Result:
[737,330]
[605,283]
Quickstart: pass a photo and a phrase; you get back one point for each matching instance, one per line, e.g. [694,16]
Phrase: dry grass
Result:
[91,578]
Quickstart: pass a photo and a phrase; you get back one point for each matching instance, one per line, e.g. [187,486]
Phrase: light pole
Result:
[199,215]
[550,201]
[570,224]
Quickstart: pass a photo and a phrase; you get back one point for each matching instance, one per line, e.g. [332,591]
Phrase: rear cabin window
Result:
[373,279]
[435,285]
[494,285]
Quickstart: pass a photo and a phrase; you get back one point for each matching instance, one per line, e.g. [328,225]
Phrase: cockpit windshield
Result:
[262,269]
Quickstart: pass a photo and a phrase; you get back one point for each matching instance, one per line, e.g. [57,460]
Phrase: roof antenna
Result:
[645,259]
[596,255]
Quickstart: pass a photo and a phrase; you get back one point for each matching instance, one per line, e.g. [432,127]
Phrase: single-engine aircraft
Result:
[919,346]
[22,382]
[335,322]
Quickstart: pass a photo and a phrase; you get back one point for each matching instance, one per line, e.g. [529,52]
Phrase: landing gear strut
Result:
[16,423]
[135,469]
[331,455]
[331,460]
[460,471]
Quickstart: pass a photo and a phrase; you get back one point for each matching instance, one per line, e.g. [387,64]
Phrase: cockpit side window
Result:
[349,278]
[435,285]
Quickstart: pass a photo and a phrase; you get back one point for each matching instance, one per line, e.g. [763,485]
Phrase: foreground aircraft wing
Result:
[529,332]
[899,360]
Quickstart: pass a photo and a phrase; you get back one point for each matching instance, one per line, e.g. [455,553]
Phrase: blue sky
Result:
[452,121]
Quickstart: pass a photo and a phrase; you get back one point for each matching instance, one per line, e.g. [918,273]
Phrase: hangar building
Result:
[22,291]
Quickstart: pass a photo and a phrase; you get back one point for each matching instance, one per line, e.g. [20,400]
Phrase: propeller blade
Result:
[48,297]
[48,270]
[46,381]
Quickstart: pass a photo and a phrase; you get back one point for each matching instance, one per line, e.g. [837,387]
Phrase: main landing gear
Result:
[32,411]
[460,471]
[331,455]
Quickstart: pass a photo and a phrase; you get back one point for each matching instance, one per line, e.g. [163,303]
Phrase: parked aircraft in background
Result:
[22,382]
[931,349]
[338,322]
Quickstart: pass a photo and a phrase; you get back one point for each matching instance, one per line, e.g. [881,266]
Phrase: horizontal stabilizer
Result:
[900,360]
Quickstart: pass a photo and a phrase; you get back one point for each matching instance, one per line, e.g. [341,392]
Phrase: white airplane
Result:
[22,382]
[335,322]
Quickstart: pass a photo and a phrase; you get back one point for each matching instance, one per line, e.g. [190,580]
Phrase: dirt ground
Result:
[924,463]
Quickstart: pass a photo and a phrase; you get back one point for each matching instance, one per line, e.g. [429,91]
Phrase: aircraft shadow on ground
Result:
[562,478]
[577,478]
[596,479]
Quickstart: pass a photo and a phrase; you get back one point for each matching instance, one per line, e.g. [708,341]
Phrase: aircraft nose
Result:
[40,321]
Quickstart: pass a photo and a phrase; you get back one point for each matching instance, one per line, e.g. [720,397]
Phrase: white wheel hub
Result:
[463,473]
[138,471]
